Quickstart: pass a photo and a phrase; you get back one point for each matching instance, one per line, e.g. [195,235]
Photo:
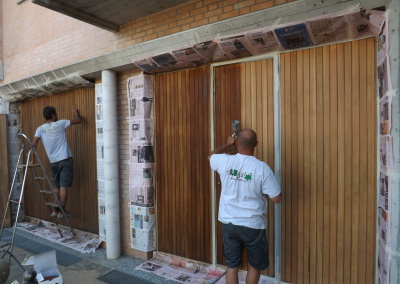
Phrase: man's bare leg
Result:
[232,276]
[56,210]
[253,275]
[57,191]
[63,196]
[63,202]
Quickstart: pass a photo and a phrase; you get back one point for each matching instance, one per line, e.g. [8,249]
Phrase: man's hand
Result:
[230,140]
[222,149]
[35,142]
[76,117]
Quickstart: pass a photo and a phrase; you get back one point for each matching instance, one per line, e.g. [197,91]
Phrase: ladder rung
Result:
[29,165]
[15,201]
[52,204]
[46,191]
[40,178]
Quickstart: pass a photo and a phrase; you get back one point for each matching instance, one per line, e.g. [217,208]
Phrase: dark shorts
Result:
[236,238]
[62,172]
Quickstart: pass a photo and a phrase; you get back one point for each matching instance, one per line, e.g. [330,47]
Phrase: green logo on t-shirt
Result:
[239,175]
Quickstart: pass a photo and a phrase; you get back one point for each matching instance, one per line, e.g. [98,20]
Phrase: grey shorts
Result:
[236,238]
[62,173]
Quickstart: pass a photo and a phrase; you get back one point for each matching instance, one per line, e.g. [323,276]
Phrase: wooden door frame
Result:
[277,156]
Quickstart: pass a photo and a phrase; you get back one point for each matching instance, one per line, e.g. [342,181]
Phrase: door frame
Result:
[277,157]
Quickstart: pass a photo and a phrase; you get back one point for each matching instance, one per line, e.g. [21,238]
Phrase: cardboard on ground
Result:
[45,265]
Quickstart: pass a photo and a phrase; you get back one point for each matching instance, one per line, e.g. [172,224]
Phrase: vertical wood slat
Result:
[341,221]
[331,91]
[4,185]
[183,179]
[333,102]
[363,163]
[82,198]
[313,168]
[371,160]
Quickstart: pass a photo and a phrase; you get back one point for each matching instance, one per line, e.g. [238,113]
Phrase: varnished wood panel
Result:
[182,104]
[4,185]
[329,163]
[82,198]
[244,91]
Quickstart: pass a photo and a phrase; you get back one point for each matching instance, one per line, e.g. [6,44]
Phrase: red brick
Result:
[228,8]
[228,15]
[213,19]
[185,9]
[243,4]
[262,6]
[198,11]
[213,13]
[244,11]
[173,31]
[185,27]
[161,34]
[185,21]
[198,17]
[199,23]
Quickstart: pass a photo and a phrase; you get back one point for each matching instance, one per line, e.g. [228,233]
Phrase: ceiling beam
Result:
[79,15]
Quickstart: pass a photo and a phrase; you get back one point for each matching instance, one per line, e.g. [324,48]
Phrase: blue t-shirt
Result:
[54,140]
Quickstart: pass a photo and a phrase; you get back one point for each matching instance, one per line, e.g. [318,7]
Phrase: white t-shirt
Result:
[54,140]
[245,181]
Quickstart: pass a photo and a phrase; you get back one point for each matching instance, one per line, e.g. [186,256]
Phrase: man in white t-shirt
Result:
[57,149]
[243,204]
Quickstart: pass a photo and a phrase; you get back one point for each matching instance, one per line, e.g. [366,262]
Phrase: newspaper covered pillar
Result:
[110,128]
[141,164]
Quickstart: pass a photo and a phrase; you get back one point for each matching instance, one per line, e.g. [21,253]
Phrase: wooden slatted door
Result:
[82,198]
[244,91]
[329,163]
[4,174]
[182,124]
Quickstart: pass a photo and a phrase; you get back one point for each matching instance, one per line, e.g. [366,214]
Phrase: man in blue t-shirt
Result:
[57,149]
[243,204]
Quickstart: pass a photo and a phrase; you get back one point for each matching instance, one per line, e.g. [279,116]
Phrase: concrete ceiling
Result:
[108,14]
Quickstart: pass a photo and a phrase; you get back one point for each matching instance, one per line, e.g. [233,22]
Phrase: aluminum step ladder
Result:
[43,182]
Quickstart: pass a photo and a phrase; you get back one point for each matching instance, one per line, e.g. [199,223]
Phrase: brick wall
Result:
[38,39]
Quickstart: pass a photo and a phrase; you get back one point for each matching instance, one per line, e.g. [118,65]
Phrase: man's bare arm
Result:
[35,142]
[76,117]
[222,149]
[277,198]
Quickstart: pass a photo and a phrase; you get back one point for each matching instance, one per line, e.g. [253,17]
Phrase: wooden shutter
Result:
[4,185]
[244,91]
[329,163]
[82,197]
[182,126]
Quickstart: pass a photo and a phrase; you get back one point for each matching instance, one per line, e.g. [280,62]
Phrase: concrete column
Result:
[111,184]
[393,8]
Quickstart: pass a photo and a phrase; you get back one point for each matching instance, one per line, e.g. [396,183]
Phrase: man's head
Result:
[48,113]
[247,140]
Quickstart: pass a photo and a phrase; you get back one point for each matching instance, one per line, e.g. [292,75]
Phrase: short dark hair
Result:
[48,112]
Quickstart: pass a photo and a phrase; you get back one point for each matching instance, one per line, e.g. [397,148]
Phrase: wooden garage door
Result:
[182,104]
[245,92]
[82,198]
[329,163]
